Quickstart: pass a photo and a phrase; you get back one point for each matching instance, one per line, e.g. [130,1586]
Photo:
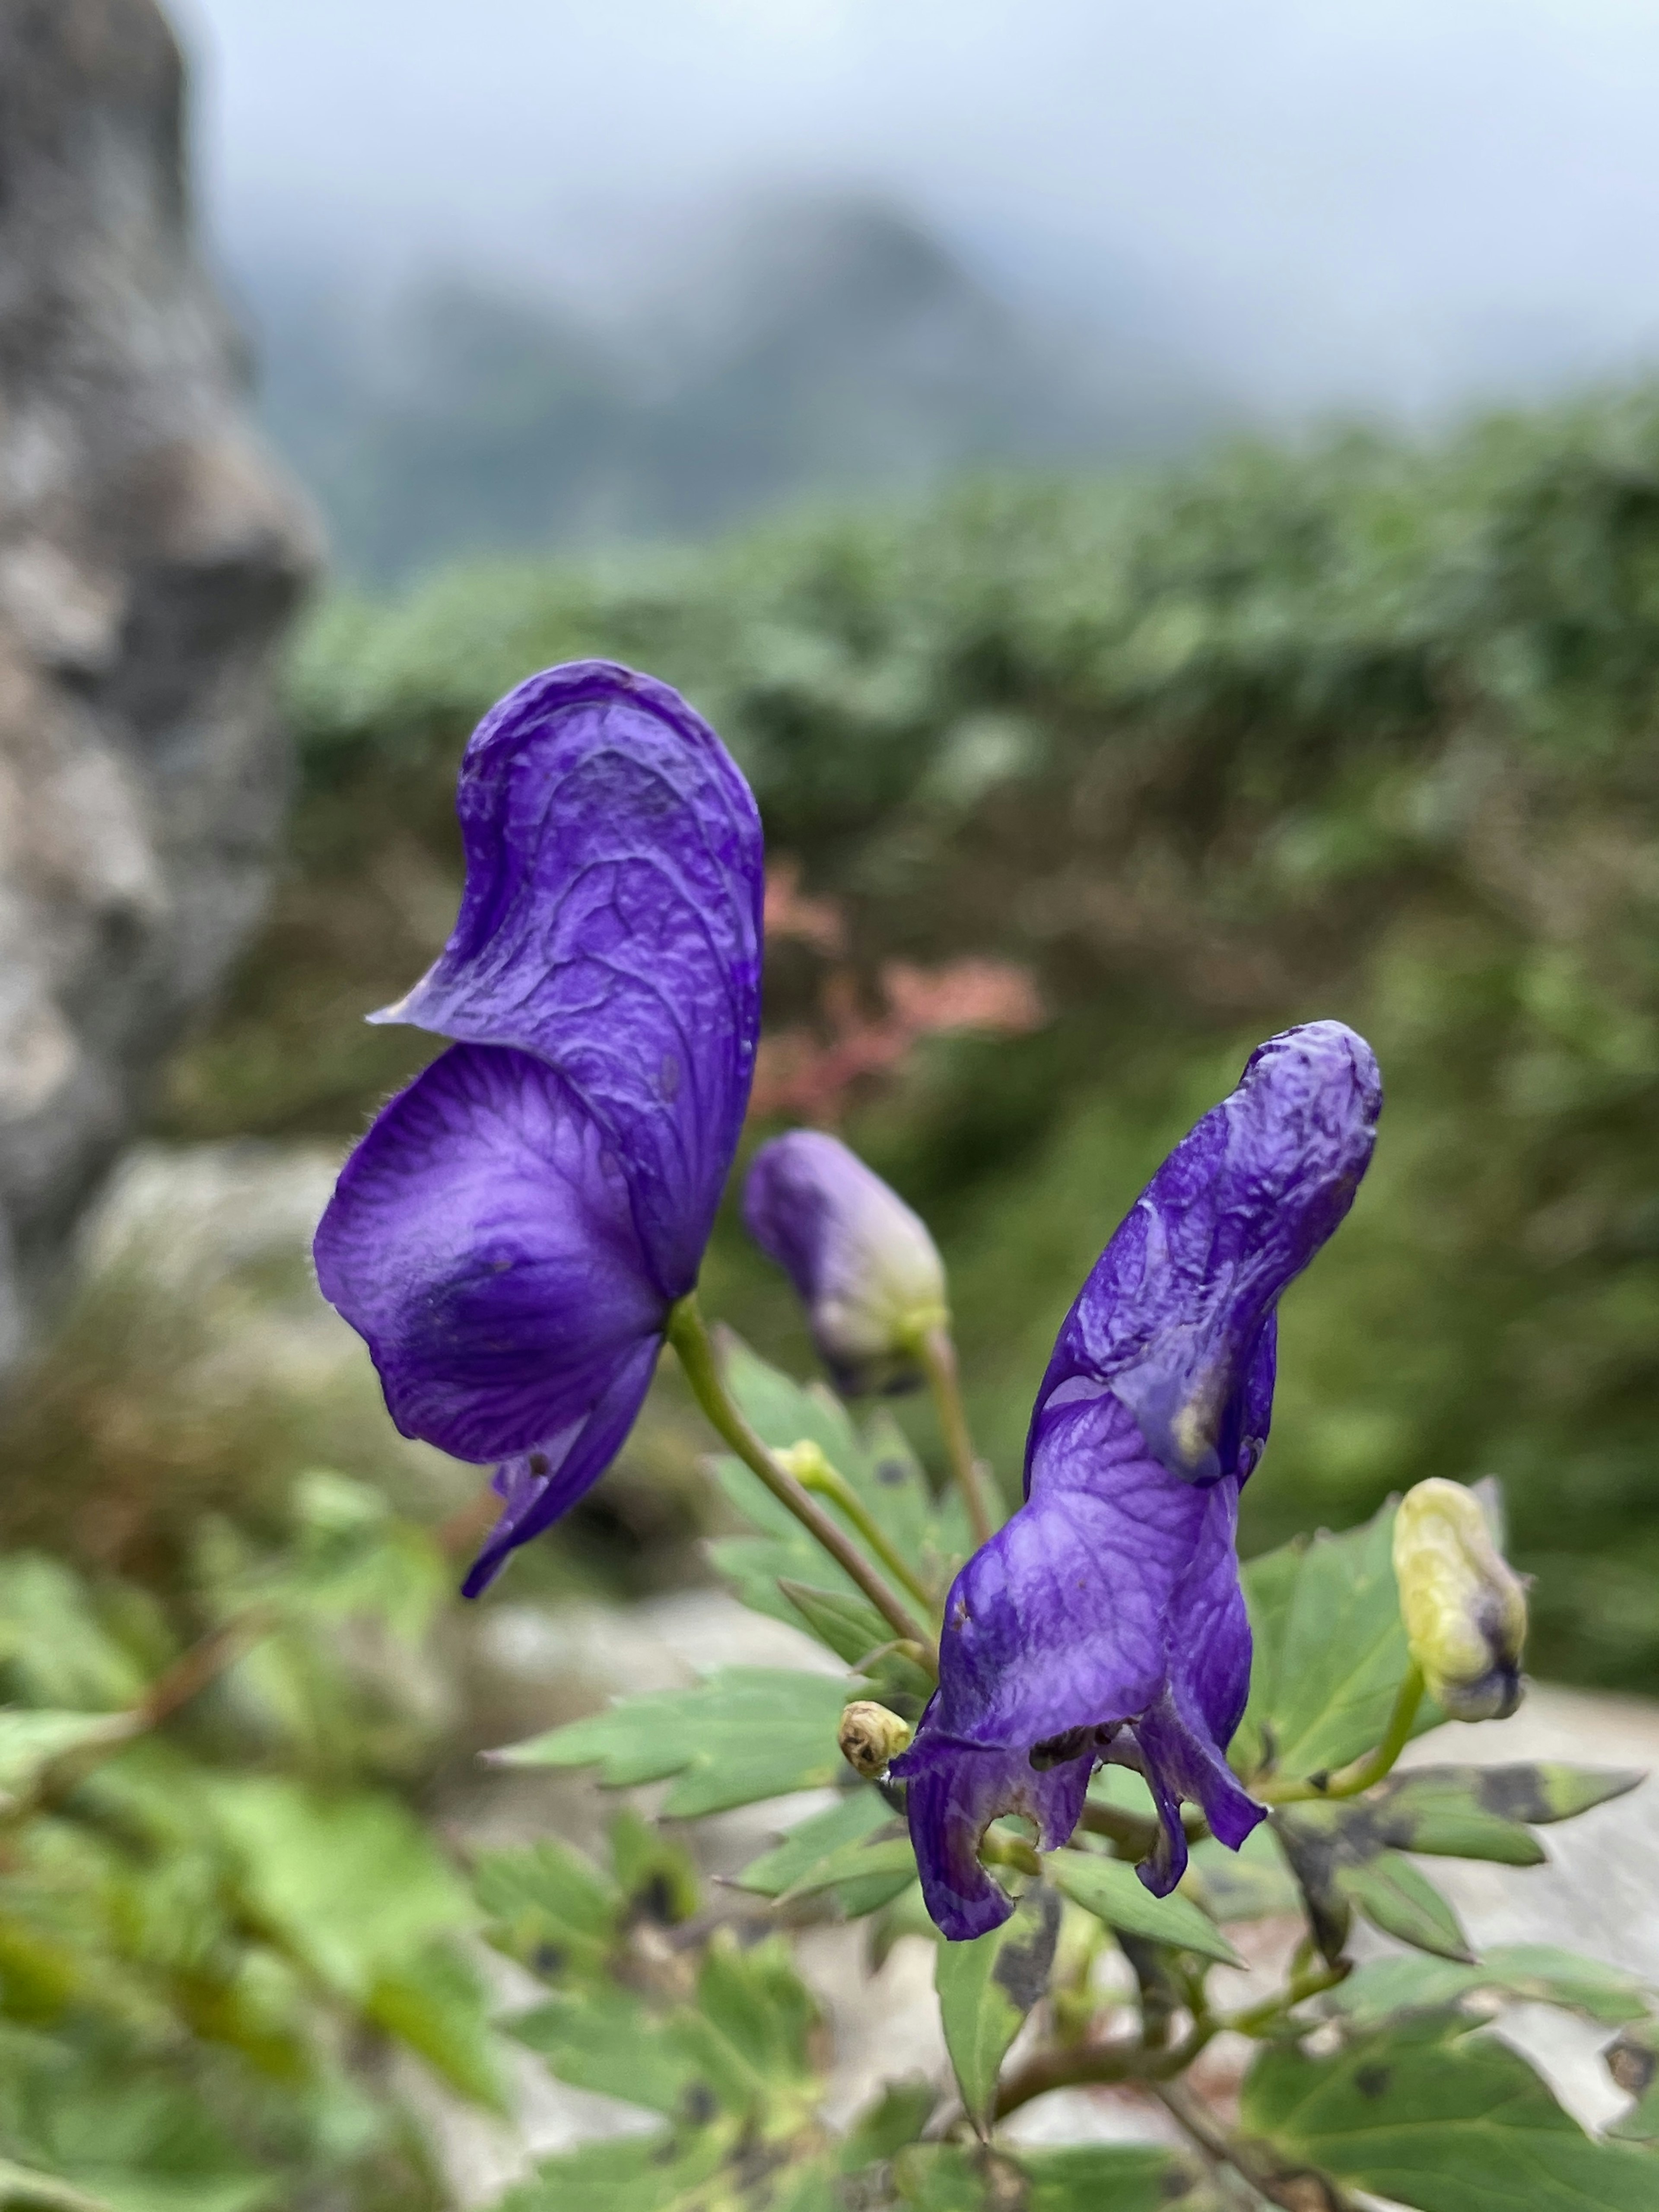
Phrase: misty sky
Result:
[1406,202]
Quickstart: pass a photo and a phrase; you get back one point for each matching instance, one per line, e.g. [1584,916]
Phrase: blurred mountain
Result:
[830,347]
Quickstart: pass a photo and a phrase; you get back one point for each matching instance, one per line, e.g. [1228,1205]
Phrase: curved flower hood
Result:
[510,1234]
[1105,1619]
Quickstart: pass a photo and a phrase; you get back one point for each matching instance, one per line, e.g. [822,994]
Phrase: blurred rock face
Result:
[150,558]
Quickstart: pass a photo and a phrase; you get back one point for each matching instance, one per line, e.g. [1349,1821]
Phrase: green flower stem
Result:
[938,1354]
[1349,1781]
[1262,2019]
[815,1473]
[689,1338]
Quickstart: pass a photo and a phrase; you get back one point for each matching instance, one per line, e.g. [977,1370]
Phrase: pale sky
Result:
[1405,202]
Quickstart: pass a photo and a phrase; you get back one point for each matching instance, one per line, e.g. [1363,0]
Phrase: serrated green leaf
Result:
[880,1466]
[756,2004]
[857,1814]
[1400,1898]
[1114,1892]
[30,1741]
[740,1735]
[604,2039]
[896,2117]
[1330,1651]
[986,1987]
[352,1884]
[635,2173]
[1534,1971]
[549,1908]
[885,1865]
[434,2003]
[657,1877]
[1439,2117]
[845,1625]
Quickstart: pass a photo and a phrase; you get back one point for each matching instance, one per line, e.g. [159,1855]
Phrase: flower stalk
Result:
[937,1353]
[689,1335]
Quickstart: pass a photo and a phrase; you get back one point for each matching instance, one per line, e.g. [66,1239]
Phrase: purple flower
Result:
[1105,1620]
[861,1261]
[512,1231]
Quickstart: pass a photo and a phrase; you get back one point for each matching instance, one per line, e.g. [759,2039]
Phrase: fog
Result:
[1403,206]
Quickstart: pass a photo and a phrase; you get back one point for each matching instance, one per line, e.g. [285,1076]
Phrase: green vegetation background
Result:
[1357,730]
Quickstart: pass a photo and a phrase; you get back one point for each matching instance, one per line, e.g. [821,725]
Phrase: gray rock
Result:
[149,559]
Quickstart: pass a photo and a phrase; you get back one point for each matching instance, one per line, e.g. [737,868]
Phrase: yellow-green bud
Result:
[869,1737]
[1464,1605]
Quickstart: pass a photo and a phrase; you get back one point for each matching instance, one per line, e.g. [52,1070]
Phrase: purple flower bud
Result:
[863,1264]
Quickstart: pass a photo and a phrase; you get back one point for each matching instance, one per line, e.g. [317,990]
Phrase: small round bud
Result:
[862,1263]
[1464,1605]
[871,1737]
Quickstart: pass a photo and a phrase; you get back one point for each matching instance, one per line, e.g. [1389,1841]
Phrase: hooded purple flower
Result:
[512,1231]
[862,1263]
[1105,1619]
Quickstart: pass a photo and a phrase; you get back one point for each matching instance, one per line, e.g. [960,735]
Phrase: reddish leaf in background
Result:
[811,1070]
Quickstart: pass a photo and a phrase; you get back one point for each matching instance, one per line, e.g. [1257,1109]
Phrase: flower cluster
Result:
[516,1232]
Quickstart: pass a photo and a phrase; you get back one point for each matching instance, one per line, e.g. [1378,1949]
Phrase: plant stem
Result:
[1362,1773]
[1278,2187]
[938,1360]
[689,1338]
[827,1480]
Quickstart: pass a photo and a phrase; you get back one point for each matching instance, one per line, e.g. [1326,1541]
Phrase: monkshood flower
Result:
[1104,1621]
[511,1233]
[1464,1605]
[862,1263]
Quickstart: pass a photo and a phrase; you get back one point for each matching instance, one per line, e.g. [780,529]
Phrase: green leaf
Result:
[1395,1897]
[30,1742]
[757,2006]
[847,1625]
[22,2185]
[604,2039]
[986,1987]
[1330,1651]
[1480,1812]
[1340,1851]
[635,2173]
[1084,2177]
[1535,1971]
[875,1872]
[1444,2119]
[742,1734]
[550,1909]
[844,1624]
[1113,1891]
[880,1466]
[435,2003]
[1251,1883]
[857,1814]
[897,2117]
[658,1878]
[1123,2177]
[353,1885]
